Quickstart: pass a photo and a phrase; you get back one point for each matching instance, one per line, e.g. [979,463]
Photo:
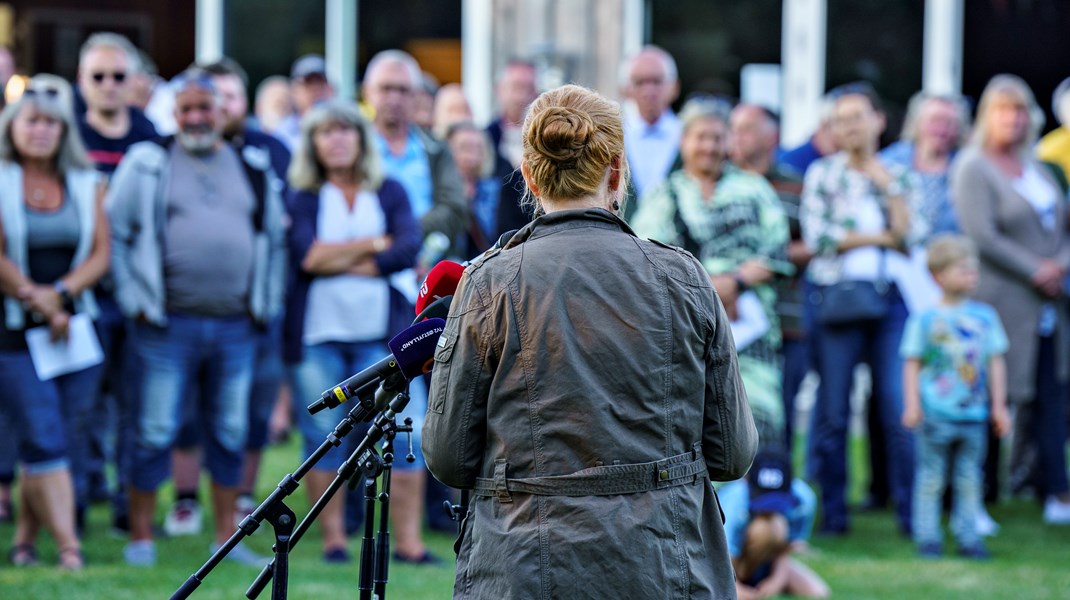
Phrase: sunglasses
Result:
[47,92]
[118,77]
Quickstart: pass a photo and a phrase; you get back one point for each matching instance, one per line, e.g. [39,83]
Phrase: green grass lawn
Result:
[1031,562]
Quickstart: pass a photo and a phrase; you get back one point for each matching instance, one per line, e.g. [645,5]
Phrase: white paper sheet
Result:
[81,349]
[751,322]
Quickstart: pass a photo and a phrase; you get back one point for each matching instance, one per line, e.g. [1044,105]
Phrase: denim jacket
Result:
[135,205]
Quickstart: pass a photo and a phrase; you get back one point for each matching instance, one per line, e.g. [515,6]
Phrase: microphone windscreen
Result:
[414,348]
[441,281]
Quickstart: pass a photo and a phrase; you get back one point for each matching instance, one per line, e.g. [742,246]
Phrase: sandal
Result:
[23,555]
[71,559]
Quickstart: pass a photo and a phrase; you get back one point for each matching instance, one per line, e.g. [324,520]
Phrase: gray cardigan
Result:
[1012,242]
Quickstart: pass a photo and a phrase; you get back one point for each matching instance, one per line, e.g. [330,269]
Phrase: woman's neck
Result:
[859,157]
[38,166]
[593,201]
[929,158]
[707,180]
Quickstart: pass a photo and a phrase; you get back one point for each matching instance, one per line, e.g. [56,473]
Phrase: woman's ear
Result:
[526,172]
[615,172]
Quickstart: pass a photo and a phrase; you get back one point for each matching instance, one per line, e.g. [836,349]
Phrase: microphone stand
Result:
[280,516]
[363,457]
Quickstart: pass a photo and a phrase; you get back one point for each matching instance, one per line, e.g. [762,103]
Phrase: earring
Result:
[616,205]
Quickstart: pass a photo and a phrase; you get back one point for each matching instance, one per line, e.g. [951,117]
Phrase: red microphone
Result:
[441,281]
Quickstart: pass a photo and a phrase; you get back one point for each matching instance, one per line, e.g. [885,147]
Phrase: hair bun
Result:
[561,135]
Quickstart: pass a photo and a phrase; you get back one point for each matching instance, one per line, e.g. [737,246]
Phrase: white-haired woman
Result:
[53,249]
[351,229]
[1014,210]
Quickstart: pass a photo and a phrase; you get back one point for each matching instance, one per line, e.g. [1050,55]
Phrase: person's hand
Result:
[43,299]
[911,416]
[728,291]
[59,326]
[746,592]
[753,272]
[877,173]
[799,254]
[1048,278]
[1001,421]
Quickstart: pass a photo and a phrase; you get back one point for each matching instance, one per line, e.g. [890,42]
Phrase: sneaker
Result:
[978,552]
[184,518]
[929,550]
[1056,512]
[242,555]
[244,507]
[986,526]
[336,556]
[141,553]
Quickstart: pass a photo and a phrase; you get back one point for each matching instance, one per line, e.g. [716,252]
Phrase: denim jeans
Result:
[962,445]
[325,365]
[796,365]
[1048,421]
[50,418]
[838,350]
[218,353]
[118,402]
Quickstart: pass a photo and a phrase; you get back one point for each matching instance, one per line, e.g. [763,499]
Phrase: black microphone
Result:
[436,310]
[412,353]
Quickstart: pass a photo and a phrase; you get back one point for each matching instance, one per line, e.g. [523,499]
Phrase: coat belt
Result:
[608,480]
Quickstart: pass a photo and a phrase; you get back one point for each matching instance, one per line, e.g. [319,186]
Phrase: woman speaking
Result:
[586,389]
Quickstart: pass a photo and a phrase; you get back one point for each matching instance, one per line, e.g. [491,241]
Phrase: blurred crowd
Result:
[238,262]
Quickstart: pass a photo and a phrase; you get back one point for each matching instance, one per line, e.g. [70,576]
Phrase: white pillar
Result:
[942,47]
[634,27]
[802,55]
[477,66]
[209,30]
[341,46]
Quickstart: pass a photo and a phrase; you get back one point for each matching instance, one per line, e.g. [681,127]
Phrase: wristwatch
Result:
[64,293]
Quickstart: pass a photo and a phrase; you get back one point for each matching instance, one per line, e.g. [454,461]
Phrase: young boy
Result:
[768,516]
[954,382]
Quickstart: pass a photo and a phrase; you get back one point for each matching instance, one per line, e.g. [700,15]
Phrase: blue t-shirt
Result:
[735,502]
[954,344]
[412,169]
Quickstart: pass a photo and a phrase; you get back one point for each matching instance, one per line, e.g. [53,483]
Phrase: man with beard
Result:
[184,518]
[198,259]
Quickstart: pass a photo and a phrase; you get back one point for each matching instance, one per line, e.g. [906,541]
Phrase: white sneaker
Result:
[243,507]
[986,526]
[1056,512]
[184,518]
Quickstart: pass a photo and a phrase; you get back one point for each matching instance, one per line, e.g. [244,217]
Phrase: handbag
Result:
[853,302]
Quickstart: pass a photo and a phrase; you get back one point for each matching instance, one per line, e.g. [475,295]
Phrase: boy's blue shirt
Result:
[954,344]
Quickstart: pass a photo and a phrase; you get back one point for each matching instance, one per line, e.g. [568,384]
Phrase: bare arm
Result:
[997,393]
[912,414]
[332,258]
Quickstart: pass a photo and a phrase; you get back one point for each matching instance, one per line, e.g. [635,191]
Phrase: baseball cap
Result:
[769,479]
[308,65]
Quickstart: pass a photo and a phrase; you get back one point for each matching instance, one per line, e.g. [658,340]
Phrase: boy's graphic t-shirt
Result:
[954,344]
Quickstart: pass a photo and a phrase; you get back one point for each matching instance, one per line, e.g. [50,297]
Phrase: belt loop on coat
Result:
[501,487]
[696,453]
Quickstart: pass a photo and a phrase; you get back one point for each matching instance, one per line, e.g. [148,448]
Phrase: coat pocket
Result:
[441,371]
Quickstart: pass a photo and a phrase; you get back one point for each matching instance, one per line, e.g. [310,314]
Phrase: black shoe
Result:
[929,550]
[978,552]
[120,524]
[425,559]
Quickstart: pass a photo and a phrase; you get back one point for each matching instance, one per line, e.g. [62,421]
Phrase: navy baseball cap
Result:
[309,65]
[769,480]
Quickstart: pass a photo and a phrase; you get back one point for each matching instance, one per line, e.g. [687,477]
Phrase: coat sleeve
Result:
[729,438]
[449,209]
[977,205]
[455,428]
[122,206]
[402,227]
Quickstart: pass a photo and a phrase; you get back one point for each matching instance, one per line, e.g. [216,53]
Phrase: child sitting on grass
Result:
[954,382]
[768,516]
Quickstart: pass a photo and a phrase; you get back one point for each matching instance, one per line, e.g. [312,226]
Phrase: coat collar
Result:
[569,219]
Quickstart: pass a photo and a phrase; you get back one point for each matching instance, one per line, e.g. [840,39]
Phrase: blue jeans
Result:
[219,353]
[1048,422]
[118,402]
[963,445]
[50,418]
[327,364]
[838,350]
[796,365]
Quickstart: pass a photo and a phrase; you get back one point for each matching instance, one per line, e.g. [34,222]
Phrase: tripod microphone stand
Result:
[363,459]
[282,518]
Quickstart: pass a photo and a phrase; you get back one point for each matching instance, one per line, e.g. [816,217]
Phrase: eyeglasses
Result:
[117,76]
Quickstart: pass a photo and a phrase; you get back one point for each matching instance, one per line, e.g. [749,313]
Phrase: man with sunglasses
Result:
[108,126]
